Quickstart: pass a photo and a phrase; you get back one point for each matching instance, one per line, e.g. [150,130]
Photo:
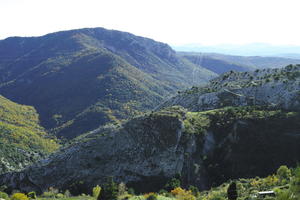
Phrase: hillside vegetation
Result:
[96,87]
[206,148]
[278,88]
[22,139]
[80,79]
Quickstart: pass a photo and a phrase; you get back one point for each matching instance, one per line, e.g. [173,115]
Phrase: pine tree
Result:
[109,190]
[232,191]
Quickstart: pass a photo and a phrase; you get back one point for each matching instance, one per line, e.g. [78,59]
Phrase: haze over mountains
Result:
[253,49]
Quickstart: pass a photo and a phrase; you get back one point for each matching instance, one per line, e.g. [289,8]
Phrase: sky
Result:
[177,22]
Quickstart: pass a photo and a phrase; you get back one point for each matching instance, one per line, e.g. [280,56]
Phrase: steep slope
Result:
[206,148]
[22,139]
[278,88]
[80,79]
[216,65]
[252,138]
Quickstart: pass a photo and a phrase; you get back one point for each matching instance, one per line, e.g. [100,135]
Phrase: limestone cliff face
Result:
[254,136]
[148,150]
[144,147]
[279,88]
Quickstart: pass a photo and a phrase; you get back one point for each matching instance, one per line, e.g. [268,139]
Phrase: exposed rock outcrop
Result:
[144,147]
[278,88]
[148,150]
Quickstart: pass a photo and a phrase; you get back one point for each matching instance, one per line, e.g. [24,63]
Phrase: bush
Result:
[59,195]
[162,192]
[79,187]
[172,184]
[51,193]
[295,184]
[109,191]
[195,190]
[122,189]
[131,191]
[67,193]
[182,194]
[96,191]
[283,172]
[19,196]
[3,195]
[284,195]
[31,195]
[232,191]
[150,196]
[3,188]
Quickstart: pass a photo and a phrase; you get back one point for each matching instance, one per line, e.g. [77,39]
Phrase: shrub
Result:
[47,194]
[182,194]
[19,196]
[51,193]
[177,191]
[31,195]
[195,190]
[122,190]
[283,172]
[67,193]
[150,196]
[96,191]
[3,188]
[3,195]
[284,195]
[79,187]
[172,184]
[59,195]
[162,192]
[131,191]
[109,191]
[295,184]
[232,191]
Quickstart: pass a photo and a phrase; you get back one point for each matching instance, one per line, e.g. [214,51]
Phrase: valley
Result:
[89,107]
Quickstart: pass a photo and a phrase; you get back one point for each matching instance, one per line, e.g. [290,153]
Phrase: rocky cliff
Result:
[206,148]
[278,88]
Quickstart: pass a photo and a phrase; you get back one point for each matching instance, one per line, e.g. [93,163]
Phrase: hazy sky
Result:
[173,21]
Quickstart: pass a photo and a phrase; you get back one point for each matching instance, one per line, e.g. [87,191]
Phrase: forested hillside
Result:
[22,139]
[81,79]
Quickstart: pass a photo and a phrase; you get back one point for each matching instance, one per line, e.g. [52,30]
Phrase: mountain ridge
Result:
[71,74]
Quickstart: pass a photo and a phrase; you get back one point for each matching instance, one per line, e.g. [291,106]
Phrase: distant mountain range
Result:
[221,63]
[254,49]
